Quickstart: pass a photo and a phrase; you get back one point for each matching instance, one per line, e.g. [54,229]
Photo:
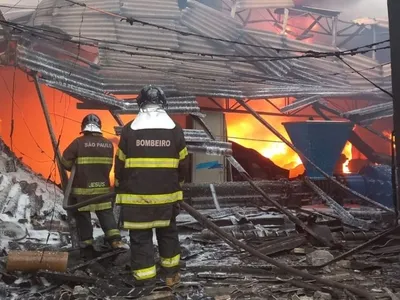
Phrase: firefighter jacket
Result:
[93,156]
[150,165]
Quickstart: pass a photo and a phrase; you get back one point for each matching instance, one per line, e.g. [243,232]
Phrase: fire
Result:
[387,133]
[349,155]
[247,131]
[32,143]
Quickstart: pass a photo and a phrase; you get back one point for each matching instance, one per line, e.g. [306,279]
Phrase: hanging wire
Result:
[367,79]
[46,33]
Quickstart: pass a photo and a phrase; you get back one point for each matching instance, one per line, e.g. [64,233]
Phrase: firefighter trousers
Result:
[142,252]
[107,223]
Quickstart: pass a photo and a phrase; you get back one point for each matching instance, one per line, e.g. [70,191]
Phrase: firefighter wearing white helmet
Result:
[150,165]
[92,155]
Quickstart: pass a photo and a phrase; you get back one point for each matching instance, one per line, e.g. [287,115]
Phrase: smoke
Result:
[353,9]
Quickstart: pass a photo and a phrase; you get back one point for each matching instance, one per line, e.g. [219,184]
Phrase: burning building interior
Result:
[286,108]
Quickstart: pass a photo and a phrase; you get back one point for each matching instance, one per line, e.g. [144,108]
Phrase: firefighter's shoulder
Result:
[126,127]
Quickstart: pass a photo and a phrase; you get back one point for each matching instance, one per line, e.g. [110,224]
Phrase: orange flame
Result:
[387,133]
[31,141]
[248,132]
[349,155]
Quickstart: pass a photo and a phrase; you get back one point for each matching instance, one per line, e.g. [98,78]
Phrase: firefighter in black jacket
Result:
[92,155]
[150,166]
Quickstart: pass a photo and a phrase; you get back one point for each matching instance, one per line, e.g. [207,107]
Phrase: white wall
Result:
[216,122]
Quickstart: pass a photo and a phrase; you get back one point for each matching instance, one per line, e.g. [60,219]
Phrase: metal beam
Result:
[57,154]
[215,102]
[265,196]
[307,30]
[352,36]
[374,41]
[276,107]
[285,21]
[339,114]
[334,30]
[322,26]
[262,113]
[359,143]
[345,29]
[305,158]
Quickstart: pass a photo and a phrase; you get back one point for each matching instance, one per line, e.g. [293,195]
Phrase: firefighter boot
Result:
[119,245]
[173,280]
[87,253]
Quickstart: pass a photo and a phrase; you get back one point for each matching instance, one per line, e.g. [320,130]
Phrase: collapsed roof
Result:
[185,52]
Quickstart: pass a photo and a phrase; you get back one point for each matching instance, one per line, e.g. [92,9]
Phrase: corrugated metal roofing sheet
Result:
[189,74]
[251,4]
[369,114]
[380,22]
[205,20]
[161,9]
[387,70]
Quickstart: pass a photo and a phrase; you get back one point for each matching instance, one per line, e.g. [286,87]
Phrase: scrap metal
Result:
[65,277]
[362,246]
[226,237]
[267,199]
[290,145]
[240,232]
[342,213]
[281,244]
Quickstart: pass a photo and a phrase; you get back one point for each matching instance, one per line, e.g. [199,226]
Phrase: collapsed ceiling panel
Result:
[251,4]
[187,53]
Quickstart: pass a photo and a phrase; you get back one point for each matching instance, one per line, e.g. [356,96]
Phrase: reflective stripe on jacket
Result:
[147,169]
[93,156]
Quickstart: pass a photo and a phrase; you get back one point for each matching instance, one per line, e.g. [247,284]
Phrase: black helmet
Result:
[151,95]
[91,123]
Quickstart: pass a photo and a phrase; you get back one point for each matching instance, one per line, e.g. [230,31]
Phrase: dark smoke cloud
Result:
[352,9]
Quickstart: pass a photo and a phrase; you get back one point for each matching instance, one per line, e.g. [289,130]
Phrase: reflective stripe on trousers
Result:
[146,273]
[96,207]
[149,199]
[84,244]
[146,225]
[170,262]
[112,232]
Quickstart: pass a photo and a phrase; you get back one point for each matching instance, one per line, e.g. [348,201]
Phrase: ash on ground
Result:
[32,218]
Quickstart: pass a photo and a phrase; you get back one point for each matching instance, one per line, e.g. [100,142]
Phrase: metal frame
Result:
[330,27]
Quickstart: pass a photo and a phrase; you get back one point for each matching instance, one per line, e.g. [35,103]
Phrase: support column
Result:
[233,10]
[334,30]
[394,29]
[61,170]
[374,41]
[285,21]
[117,208]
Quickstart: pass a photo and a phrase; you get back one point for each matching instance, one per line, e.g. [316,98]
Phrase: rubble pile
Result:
[30,207]
[32,219]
